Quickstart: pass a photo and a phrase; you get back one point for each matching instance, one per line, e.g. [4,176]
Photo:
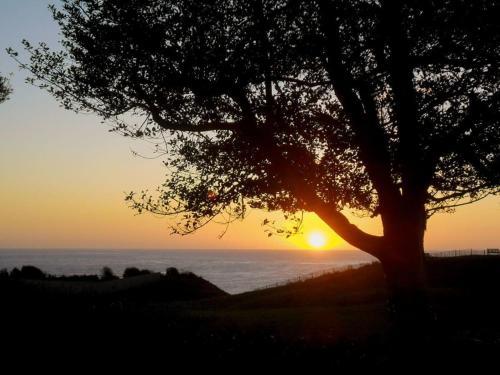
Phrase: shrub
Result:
[172,272]
[131,272]
[32,272]
[4,274]
[15,273]
[134,271]
[107,274]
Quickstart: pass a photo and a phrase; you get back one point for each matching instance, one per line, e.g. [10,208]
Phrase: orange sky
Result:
[62,177]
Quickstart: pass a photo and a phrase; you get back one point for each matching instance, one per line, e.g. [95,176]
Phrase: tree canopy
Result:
[5,89]
[377,106]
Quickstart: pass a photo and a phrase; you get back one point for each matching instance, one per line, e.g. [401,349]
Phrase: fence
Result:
[313,275]
[463,252]
[440,254]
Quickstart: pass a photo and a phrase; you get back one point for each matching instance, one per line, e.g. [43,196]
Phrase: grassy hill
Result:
[338,320]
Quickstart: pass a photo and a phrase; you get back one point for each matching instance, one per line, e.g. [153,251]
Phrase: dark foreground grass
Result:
[337,321]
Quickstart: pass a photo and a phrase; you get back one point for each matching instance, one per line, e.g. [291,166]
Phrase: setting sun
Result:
[316,239]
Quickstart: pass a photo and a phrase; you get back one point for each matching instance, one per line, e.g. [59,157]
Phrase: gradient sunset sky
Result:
[63,176]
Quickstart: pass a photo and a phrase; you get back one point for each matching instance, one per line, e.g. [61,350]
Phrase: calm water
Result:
[234,271]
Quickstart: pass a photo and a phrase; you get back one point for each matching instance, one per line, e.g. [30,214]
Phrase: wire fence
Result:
[314,275]
[463,252]
[438,254]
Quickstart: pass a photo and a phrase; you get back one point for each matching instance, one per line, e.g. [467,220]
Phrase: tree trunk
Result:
[401,253]
[404,267]
[406,282]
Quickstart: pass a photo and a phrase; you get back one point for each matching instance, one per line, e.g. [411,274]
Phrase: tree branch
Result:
[413,182]
[433,210]
[301,82]
[304,191]
[370,136]
[199,128]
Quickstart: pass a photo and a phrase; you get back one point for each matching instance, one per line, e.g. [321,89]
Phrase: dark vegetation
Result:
[337,321]
[134,271]
[5,89]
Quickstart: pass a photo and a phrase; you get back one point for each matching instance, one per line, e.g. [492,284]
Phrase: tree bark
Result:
[403,262]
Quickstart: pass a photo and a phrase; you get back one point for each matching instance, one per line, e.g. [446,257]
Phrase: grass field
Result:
[339,320]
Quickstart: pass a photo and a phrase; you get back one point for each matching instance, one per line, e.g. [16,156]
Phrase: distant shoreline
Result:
[234,270]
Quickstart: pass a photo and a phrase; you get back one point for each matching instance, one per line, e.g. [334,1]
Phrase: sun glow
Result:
[316,239]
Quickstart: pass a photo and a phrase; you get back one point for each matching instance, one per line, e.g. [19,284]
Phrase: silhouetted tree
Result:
[134,271]
[131,272]
[15,273]
[388,108]
[107,274]
[172,272]
[4,274]
[5,89]
[32,272]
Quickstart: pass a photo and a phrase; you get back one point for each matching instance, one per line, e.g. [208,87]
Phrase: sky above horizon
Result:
[63,176]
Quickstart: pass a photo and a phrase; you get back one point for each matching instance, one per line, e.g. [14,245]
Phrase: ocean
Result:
[234,271]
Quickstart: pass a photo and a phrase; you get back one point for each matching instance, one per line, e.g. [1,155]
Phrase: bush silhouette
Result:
[107,274]
[131,272]
[15,273]
[172,272]
[4,274]
[32,272]
[134,271]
